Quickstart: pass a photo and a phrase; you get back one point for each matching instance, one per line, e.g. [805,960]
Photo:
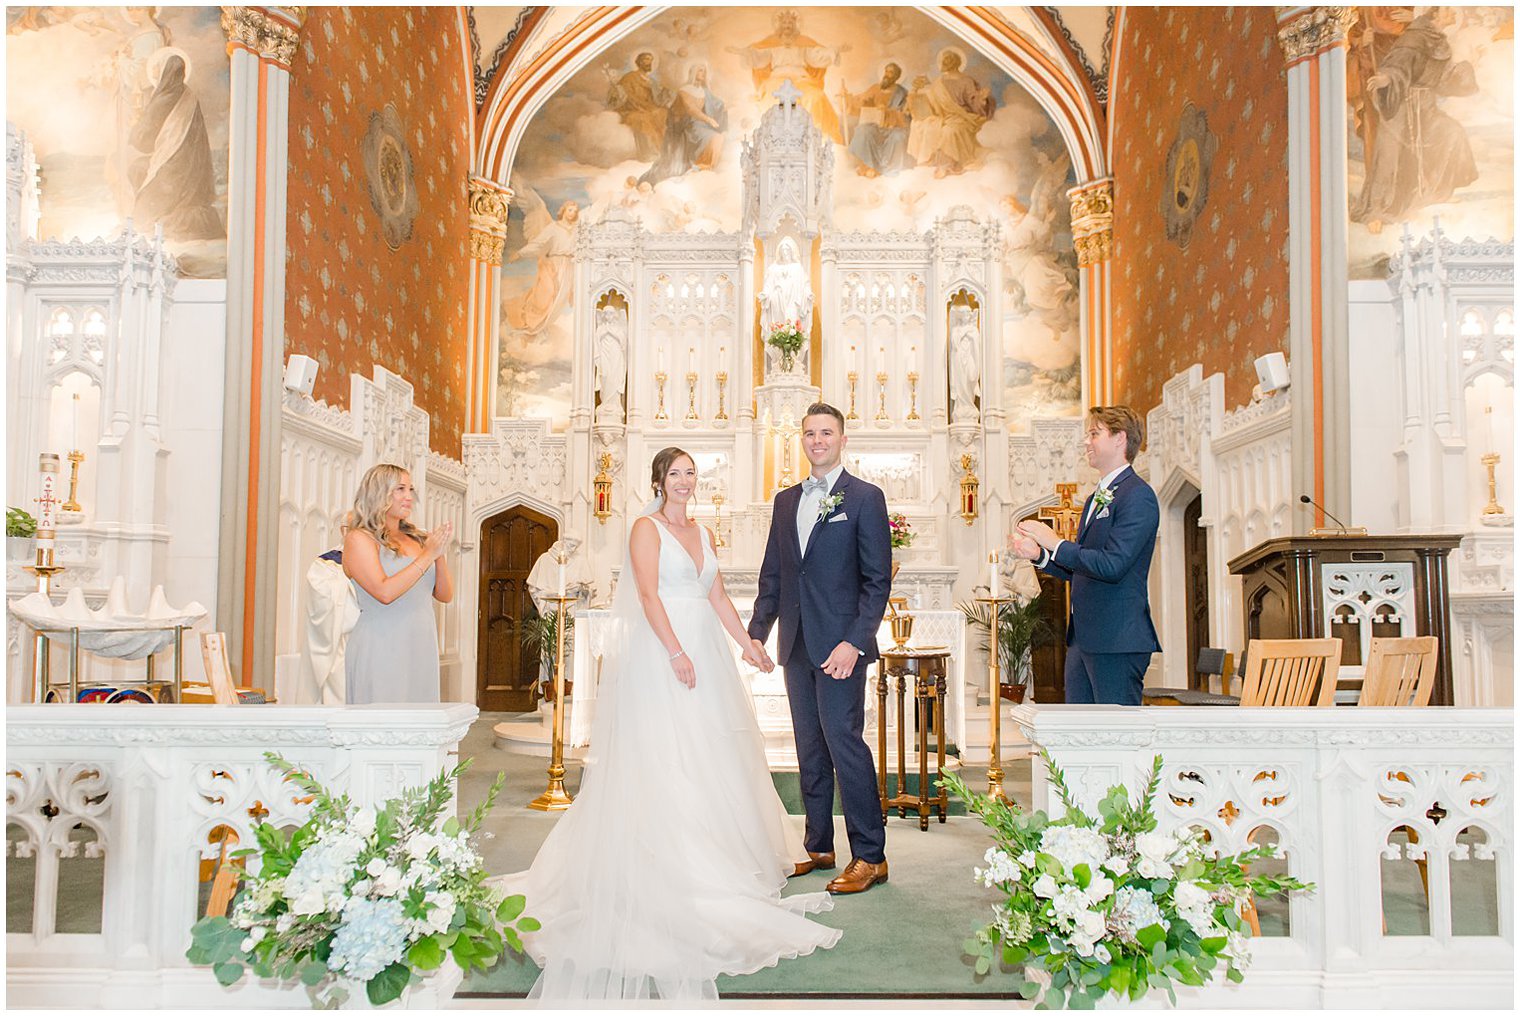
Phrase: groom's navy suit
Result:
[836,592]
[1110,634]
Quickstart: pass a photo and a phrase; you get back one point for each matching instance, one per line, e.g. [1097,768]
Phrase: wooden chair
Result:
[1400,672]
[1291,672]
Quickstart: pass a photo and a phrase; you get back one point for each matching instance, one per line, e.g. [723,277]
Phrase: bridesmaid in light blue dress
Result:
[392,653]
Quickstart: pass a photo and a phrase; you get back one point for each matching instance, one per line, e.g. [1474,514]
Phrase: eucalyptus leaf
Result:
[388,984]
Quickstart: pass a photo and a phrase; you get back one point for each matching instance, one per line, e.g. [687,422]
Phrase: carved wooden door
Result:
[1049,660]
[507,671]
[1195,563]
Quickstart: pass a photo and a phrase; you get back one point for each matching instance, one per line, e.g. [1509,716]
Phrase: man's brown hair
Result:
[1125,419]
[824,409]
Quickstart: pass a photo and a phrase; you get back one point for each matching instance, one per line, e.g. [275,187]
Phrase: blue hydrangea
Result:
[371,937]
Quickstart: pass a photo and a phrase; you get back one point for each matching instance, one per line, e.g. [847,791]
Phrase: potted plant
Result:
[381,896]
[20,526]
[787,339]
[539,635]
[1021,630]
[1105,908]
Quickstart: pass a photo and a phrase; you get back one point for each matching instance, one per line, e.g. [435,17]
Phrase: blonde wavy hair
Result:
[373,500]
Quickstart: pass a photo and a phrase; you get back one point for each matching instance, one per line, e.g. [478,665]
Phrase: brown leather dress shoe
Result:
[815,862]
[858,876]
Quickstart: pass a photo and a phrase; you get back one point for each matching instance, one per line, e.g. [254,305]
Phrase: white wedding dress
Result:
[668,869]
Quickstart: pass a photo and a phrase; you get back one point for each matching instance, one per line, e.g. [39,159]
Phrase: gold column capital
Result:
[273,33]
[489,202]
[1092,220]
[1306,31]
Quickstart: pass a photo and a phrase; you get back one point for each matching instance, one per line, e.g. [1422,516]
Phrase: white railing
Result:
[1341,790]
[150,792]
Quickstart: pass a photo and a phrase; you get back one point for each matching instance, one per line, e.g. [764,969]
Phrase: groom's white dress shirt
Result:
[813,492]
[1047,556]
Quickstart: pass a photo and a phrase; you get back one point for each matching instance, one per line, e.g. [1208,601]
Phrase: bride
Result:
[668,869]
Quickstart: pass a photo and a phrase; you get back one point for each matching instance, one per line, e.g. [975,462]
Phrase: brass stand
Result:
[913,395]
[660,377]
[1493,507]
[994,749]
[76,457]
[554,797]
[691,395]
[717,503]
[881,391]
[44,569]
[722,390]
[854,377]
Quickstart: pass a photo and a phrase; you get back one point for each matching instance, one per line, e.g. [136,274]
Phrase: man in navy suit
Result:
[826,577]
[1110,634]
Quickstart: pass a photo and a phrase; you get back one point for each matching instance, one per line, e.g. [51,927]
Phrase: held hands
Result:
[841,662]
[756,656]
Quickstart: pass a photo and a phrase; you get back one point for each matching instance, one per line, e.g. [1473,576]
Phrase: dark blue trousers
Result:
[828,718]
[1106,678]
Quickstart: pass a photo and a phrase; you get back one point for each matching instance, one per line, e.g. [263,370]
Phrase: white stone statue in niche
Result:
[611,362]
[965,363]
[786,298]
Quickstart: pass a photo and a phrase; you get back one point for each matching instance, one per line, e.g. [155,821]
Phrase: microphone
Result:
[1306,499]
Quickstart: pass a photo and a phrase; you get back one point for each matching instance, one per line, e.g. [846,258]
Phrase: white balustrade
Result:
[144,789]
[1348,794]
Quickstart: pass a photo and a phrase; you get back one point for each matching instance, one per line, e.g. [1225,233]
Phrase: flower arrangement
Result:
[373,895]
[901,530]
[1109,905]
[787,339]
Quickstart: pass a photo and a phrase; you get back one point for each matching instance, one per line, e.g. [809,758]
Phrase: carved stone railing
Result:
[1368,804]
[138,799]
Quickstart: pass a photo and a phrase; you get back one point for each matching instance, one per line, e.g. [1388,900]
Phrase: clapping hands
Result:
[1023,546]
[756,656]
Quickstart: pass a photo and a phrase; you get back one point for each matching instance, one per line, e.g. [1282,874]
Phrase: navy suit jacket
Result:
[1108,567]
[838,591]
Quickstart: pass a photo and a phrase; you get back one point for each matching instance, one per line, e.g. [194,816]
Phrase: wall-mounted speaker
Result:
[1272,372]
[300,373]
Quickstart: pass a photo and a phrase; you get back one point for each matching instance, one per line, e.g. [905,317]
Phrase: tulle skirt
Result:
[668,869]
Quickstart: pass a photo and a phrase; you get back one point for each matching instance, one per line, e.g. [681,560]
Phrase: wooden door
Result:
[1049,660]
[506,678]
[1195,563]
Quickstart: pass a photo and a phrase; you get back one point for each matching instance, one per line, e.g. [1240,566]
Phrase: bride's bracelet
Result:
[677,654]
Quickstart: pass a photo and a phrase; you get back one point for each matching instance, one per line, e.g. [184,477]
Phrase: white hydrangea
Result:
[1027,859]
[1074,845]
[1134,909]
[371,938]
[1000,869]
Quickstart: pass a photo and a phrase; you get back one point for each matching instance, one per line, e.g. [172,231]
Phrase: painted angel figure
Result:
[1033,278]
[551,240]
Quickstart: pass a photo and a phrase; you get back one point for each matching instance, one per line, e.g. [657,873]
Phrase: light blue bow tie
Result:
[812,483]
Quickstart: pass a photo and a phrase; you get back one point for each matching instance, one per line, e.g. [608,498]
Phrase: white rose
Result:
[1190,896]
[1045,886]
[363,887]
[363,822]
[1118,864]
[1155,846]
[257,932]
[284,923]
[1098,888]
[1091,923]
[309,902]
[419,845]
[247,945]
[388,882]
[1027,860]
[375,867]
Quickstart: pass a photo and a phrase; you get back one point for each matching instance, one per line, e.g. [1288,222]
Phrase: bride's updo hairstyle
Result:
[663,460]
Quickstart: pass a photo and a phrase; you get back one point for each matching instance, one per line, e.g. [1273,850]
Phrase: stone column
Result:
[1092,227]
[489,201]
[1314,45]
[262,42]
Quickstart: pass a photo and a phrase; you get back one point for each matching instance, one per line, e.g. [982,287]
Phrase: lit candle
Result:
[691,360]
[659,358]
[1488,413]
[74,427]
[881,359]
[992,575]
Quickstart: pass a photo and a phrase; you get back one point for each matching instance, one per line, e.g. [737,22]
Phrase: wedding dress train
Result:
[667,871]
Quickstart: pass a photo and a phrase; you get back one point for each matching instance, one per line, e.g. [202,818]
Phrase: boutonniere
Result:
[1103,498]
[827,505]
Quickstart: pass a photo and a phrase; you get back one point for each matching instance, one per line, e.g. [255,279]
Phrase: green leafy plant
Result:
[1106,905]
[539,634]
[1021,629]
[20,522]
[376,895]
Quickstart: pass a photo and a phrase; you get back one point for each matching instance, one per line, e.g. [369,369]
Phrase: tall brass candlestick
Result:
[75,458]
[913,395]
[717,503]
[722,377]
[691,395]
[881,391]
[994,750]
[854,377]
[555,797]
[1490,461]
[660,377]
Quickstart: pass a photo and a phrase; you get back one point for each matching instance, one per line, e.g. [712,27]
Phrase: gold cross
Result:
[1065,517]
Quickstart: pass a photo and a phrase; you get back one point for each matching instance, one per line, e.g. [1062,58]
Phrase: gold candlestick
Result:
[717,502]
[994,749]
[722,377]
[660,377]
[881,391]
[1490,461]
[75,458]
[854,377]
[555,797]
[786,455]
[691,395]
[913,395]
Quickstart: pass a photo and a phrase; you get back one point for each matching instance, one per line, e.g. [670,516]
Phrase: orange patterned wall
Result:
[351,300]
[1223,300]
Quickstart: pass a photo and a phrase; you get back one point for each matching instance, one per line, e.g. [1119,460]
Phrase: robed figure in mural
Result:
[639,102]
[552,243]
[1420,155]
[788,55]
[879,137]
[947,114]
[694,128]
[173,177]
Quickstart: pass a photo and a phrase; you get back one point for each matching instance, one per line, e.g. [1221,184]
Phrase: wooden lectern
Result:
[1352,587]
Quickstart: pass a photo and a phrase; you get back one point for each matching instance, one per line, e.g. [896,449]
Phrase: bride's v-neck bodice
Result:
[680,577]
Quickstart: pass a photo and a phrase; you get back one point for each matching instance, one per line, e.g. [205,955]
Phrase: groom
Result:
[826,576]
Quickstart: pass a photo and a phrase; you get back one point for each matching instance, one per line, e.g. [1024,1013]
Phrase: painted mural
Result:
[127,110]
[921,123]
[1432,111]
